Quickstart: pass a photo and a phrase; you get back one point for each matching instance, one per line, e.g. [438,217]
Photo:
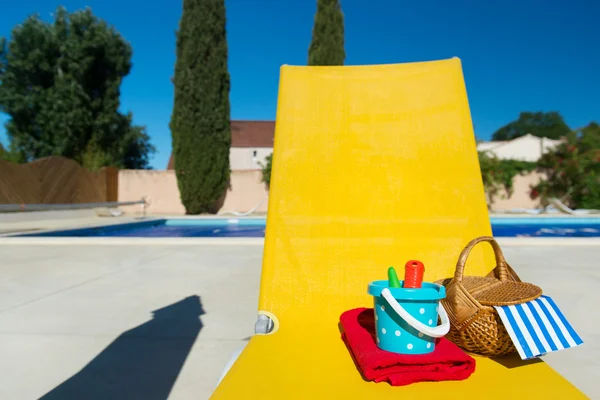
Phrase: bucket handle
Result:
[436,332]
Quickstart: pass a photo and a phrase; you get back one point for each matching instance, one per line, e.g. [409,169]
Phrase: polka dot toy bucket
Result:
[406,318]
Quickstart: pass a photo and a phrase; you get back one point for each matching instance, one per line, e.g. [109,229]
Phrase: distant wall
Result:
[246,191]
[160,187]
[520,197]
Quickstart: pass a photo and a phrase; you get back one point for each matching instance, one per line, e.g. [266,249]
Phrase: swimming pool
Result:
[546,227]
[255,227]
[170,228]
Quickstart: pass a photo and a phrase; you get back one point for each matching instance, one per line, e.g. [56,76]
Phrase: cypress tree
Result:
[200,126]
[327,45]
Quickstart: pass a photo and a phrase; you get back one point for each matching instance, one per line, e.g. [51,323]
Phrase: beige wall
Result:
[160,187]
[520,197]
[247,191]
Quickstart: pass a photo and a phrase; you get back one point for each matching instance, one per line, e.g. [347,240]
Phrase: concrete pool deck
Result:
[70,315]
[155,321]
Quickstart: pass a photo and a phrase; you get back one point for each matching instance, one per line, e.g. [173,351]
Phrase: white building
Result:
[251,143]
[524,148]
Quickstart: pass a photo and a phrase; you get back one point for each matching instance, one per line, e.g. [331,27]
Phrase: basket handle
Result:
[500,261]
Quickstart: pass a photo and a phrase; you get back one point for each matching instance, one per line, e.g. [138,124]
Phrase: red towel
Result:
[446,362]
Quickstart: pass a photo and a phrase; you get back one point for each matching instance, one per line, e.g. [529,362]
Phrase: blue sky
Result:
[517,56]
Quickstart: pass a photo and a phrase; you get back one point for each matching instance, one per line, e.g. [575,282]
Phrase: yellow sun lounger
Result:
[372,166]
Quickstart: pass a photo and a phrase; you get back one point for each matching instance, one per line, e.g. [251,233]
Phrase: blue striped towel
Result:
[538,327]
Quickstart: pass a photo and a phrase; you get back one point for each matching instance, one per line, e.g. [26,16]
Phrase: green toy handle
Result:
[393,278]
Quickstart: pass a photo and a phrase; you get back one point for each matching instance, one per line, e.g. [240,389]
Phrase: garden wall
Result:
[245,191]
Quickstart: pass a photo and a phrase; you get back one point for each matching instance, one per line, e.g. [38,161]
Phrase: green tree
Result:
[542,124]
[327,45]
[9,155]
[200,123]
[266,170]
[588,138]
[573,170]
[60,86]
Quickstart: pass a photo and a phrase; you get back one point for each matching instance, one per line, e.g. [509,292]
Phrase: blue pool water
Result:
[501,227]
[172,228]
[546,227]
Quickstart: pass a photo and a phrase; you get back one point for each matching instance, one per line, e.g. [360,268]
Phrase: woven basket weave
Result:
[474,323]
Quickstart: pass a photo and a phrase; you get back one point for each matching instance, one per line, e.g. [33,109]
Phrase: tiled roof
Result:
[252,133]
[248,134]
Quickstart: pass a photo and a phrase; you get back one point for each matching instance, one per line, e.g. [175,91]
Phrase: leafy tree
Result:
[327,45]
[588,138]
[59,84]
[542,124]
[8,155]
[573,170]
[266,170]
[200,125]
[498,175]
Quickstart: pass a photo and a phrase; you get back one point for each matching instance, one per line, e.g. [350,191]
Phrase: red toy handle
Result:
[413,274]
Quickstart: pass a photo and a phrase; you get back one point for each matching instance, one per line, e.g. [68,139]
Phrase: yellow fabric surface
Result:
[372,166]
[298,365]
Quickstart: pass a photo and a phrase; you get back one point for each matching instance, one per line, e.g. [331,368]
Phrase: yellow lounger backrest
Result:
[372,166]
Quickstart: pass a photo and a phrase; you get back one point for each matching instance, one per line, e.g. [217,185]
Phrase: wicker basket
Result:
[475,324]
